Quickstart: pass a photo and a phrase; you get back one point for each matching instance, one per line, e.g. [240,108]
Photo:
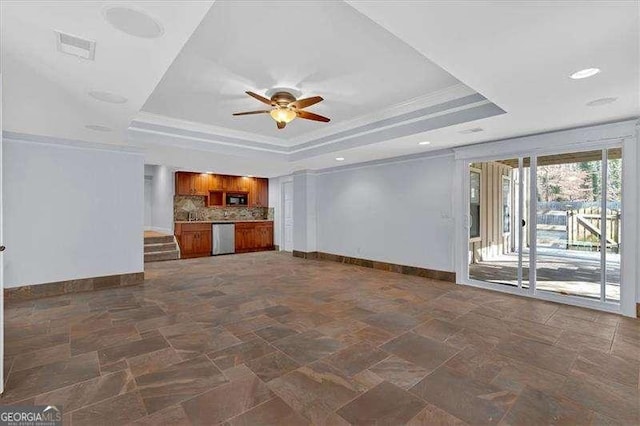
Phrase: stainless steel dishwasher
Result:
[223,239]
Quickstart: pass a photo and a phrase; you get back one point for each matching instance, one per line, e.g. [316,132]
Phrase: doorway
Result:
[548,226]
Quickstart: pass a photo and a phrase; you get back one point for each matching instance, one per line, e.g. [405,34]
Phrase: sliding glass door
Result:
[548,224]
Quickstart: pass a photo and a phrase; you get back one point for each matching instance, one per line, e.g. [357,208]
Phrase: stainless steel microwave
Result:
[237,199]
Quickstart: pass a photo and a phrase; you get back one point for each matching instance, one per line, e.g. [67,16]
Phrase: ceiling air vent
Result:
[76,46]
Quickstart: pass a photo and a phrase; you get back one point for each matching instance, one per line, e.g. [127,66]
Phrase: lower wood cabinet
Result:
[194,239]
[254,236]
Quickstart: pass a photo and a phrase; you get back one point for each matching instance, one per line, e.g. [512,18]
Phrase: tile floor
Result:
[265,338]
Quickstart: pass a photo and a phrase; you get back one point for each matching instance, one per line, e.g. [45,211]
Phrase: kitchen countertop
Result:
[223,221]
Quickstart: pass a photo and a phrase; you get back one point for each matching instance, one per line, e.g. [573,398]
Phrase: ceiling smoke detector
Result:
[76,46]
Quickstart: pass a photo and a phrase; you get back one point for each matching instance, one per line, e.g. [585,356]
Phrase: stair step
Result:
[153,248]
[161,255]
[158,240]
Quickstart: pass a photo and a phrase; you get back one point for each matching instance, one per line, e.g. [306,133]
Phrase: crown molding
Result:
[8,135]
[452,105]
[456,91]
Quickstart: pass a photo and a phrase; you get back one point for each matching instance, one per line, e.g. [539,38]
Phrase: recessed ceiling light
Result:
[98,128]
[133,22]
[249,175]
[469,131]
[209,173]
[585,73]
[424,143]
[339,158]
[601,101]
[112,98]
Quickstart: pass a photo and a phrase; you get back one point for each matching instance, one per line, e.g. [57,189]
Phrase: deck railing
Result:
[583,229]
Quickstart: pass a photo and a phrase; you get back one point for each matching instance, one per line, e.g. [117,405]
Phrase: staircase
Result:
[160,247]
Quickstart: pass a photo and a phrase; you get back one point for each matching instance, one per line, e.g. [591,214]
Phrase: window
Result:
[474,200]
[506,204]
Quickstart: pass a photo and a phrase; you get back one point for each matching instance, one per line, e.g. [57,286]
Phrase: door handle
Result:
[524,222]
[2,248]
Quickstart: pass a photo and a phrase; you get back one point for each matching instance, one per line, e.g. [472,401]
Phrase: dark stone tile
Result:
[356,358]
[115,411]
[153,361]
[178,382]
[538,408]
[118,353]
[308,346]
[541,355]
[200,342]
[401,373]
[42,357]
[385,404]
[468,399]
[437,329]
[275,332]
[227,401]
[45,378]
[129,316]
[172,416]
[100,339]
[272,366]
[89,392]
[609,398]
[607,367]
[240,353]
[316,390]
[273,412]
[35,343]
[432,415]
[420,350]
[393,322]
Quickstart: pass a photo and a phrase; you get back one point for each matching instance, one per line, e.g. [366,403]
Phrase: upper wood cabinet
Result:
[203,184]
[261,192]
[192,183]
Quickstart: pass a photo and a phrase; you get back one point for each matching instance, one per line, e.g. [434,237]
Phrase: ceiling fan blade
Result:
[260,98]
[303,103]
[252,112]
[281,124]
[311,116]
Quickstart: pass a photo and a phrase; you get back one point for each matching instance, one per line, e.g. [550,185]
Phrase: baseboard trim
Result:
[37,291]
[383,266]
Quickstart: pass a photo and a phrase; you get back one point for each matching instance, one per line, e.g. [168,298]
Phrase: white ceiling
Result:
[45,92]
[518,54]
[316,47]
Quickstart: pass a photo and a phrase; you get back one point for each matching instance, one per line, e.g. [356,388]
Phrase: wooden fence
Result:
[583,229]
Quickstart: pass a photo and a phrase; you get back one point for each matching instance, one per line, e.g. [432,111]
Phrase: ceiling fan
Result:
[286,108]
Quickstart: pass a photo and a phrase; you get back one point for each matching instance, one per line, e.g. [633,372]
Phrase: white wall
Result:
[70,212]
[394,212]
[162,192]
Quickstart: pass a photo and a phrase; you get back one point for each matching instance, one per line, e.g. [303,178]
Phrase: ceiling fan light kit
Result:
[285,108]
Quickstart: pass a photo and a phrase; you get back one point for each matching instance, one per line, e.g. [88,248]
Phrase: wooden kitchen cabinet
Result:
[261,192]
[254,236]
[192,183]
[215,188]
[194,239]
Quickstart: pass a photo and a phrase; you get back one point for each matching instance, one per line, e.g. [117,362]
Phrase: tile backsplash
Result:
[205,213]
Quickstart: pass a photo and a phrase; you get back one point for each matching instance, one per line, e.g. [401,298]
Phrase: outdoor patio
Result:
[571,272]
